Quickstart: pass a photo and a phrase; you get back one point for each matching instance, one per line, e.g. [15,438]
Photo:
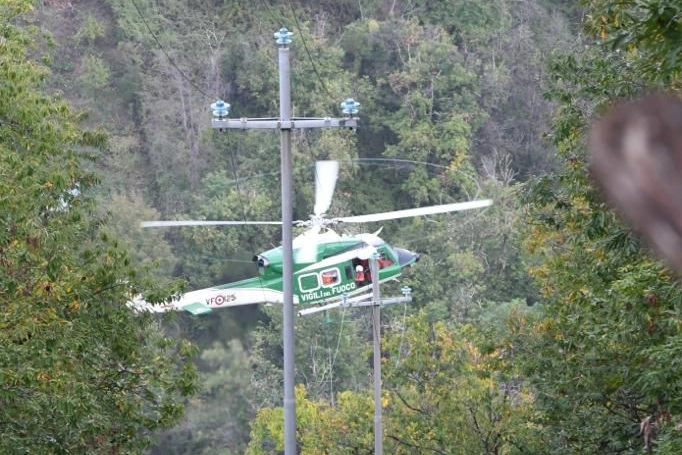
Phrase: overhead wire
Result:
[336,351]
[403,329]
[232,157]
[318,182]
[163,50]
[200,90]
[299,29]
[233,163]
[269,12]
[305,47]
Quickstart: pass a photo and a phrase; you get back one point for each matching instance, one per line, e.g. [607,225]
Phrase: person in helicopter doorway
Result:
[362,272]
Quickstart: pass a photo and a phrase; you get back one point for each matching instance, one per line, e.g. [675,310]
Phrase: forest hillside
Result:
[540,324]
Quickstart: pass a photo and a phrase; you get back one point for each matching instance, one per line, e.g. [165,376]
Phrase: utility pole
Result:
[376,338]
[376,302]
[285,123]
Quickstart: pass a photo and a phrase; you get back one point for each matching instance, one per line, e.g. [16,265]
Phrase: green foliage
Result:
[334,358]
[94,75]
[217,420]
[649,31]
[449,91]
[90,30]
[423,103]
[441,394]
[222,197]
[445,395]
[472,22]
[470,262]
[150,249]
[79,371]
[600,356]
[341,429]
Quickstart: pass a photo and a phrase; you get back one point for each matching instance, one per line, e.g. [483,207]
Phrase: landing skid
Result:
[355,302]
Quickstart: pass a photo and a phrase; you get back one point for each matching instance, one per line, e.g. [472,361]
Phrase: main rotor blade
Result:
[326,173]
[203,223]
[431,210]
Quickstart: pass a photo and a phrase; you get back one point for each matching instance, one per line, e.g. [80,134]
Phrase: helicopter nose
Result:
[406,257]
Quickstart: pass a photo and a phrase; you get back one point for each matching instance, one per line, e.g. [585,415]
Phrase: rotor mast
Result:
[285,123]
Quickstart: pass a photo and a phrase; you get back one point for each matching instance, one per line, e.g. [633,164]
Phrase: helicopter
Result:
[328,267]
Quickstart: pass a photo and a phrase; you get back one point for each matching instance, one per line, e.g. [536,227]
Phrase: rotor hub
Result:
[316,221]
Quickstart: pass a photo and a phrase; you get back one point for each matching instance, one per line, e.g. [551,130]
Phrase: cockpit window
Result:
[384,259]
[330,277]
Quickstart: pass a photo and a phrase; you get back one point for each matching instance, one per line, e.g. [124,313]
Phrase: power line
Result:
[305,46]
[336,352]
[268,10]
[233,162]
[285,125]
[170,59]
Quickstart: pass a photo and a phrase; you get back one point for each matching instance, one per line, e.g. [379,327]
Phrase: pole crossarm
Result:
[277,124]
[357,303]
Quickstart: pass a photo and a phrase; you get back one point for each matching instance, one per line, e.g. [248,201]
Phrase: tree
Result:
[94,75]
[80,372]
[330,358]
[602,355]
[147,248]
[217,419]
[447,395]
[450,83]
[342,429]
[471,261]
[649,31]
[513,79]
[442,394]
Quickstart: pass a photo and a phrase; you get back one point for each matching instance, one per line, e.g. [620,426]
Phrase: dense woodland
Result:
[541,325]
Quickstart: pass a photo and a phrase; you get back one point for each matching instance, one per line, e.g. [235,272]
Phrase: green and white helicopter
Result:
[328,267]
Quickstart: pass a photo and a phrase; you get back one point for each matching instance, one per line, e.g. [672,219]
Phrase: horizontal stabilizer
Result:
[197,308]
